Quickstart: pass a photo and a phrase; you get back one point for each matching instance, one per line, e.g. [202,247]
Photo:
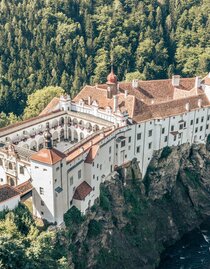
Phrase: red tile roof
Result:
[82,191]
[7,192]
[48,156]
[151,99]
[24,187]
[92,154]
[51,106]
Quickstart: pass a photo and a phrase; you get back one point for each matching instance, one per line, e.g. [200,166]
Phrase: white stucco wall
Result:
[10,203]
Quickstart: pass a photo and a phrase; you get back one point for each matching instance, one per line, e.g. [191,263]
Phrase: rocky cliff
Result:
[136,219]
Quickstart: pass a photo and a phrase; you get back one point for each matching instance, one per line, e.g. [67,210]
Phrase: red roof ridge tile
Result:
[82,191]
[48,156]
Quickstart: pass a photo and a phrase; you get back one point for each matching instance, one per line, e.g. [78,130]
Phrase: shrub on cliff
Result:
[165,152]
[73,217]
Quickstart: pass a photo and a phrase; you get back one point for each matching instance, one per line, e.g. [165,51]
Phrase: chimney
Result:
[197,82]
[118,87]
[89,100]
[109,93]
[135,83]
[126,93]
[82,149]
[199,103]
[175,80]
[187,106]
[115,106]
[102,135]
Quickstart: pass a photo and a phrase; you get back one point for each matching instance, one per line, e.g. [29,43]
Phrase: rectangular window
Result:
[207,126]
[79,174]
[129,139]
[71,181]
[184,124]
[208,117]
[41,191]
[163,130]
[172,128]
[196,129]
[181,126]
[150,145]
[139,136]
[22,170]
[122,143]
[166,139]
[57,168]
[44,169]
[138,149]
[110,150]
[175,138]
[191,122]
[201,128]
[150,132]
[197,120]
[42,203]
[202,119]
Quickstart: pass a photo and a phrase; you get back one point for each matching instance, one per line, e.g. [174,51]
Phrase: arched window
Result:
[1,162]
[12,182]
[10,166]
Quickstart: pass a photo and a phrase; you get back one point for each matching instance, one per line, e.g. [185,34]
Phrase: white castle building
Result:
[64,154]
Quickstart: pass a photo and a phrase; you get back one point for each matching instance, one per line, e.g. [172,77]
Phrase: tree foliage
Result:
[23,246]
[70,43]
[38,100]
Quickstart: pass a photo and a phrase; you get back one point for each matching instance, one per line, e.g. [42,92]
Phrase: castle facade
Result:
[64,154]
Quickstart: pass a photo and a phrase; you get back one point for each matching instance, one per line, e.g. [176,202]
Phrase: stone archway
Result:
[81,136]
[33,145]
[41,143]
[75,136]
[55,138]
[69,135]
[62,135]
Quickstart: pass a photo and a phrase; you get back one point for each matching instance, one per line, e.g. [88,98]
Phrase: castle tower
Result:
[111,84]
[49,180]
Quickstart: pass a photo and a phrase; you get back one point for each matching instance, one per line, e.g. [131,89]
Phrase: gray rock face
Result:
[138,218]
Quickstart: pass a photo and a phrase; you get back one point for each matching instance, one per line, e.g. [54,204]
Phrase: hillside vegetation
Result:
[69,43]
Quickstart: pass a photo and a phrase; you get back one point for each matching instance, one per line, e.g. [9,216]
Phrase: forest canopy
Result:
[70,43]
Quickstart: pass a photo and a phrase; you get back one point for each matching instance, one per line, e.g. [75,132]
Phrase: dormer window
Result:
[95,103]
[81,102]
[108,109]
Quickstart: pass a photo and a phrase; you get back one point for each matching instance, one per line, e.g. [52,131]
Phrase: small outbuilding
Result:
[9,197]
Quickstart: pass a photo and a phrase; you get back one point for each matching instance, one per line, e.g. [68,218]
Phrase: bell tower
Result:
[111,83]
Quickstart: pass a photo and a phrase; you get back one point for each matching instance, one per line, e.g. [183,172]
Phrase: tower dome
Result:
[48,137]
[112,78]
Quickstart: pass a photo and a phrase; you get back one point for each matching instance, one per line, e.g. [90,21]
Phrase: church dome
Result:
[112,78]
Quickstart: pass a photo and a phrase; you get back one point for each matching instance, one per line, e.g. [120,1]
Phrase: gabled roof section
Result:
[92,154]
[7,192]
[52,106]
[24,187]
[82,191]
[48,156]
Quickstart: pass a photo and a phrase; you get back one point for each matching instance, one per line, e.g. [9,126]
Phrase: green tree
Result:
[37,101]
